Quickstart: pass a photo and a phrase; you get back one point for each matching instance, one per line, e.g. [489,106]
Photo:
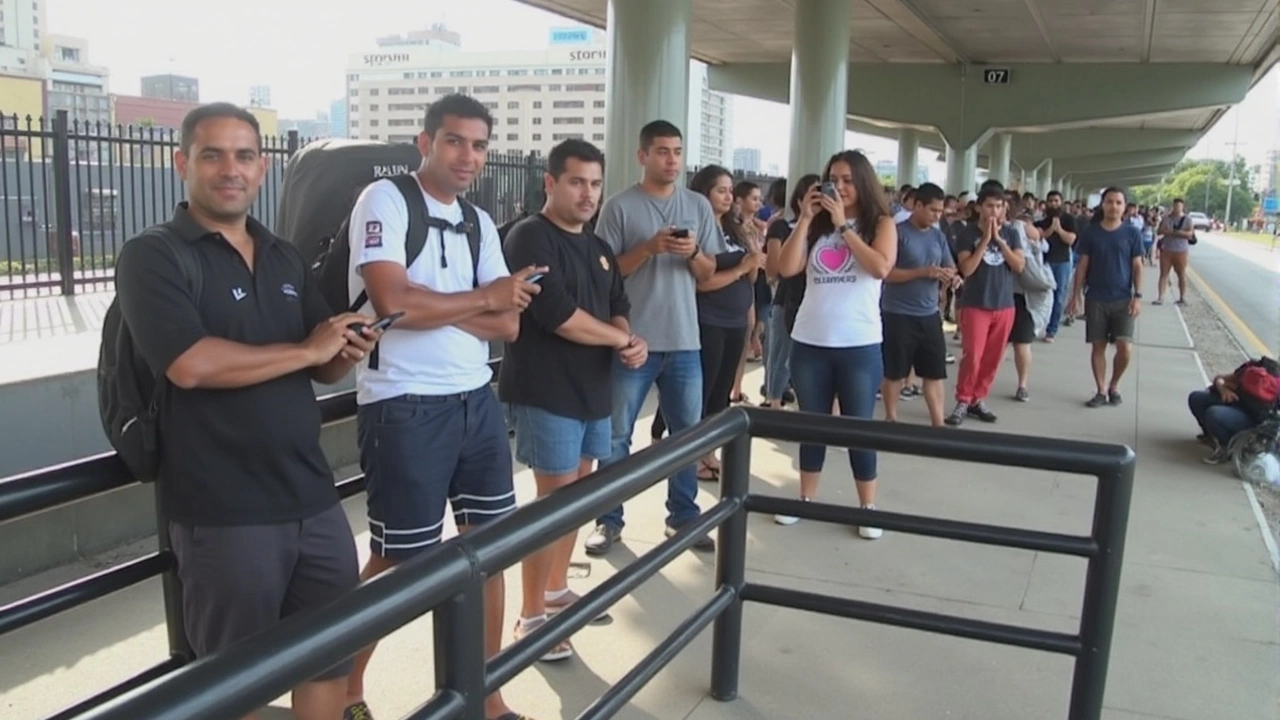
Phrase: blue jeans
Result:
[823,375]
[1218,419]
[554,444]
[777,354]
[1061,276]
[679,379]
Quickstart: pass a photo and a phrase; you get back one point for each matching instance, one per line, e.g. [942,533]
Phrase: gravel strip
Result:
[1221,354]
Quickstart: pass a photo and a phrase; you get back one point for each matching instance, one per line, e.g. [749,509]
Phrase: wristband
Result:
[694,254]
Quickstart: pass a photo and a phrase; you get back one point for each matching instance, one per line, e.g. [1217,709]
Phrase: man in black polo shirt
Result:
[558,374]
[254,518]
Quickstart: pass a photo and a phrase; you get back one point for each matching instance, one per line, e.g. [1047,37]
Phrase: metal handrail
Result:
[448,581]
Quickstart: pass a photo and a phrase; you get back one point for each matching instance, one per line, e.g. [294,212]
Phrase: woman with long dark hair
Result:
[723,302]
[777,357]
[846,244]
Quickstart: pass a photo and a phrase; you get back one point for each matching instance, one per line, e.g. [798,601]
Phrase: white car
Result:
[1199,220]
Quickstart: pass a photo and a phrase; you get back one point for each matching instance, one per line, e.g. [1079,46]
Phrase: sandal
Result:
[707,473]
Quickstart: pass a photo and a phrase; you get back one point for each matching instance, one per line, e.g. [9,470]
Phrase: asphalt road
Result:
[1245,278]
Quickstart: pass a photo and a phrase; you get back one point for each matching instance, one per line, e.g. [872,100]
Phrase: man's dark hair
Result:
[928,193]
[1028,196]
[986,194]
[950,198]
[1053,194]
[575,149]
[455,105]
[1114,189]
[910,196]
[991,184]
[905,188]
[1179,200]
[215,111]
[658,129]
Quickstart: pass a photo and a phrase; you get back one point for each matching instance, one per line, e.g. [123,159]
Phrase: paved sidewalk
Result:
[1196,637]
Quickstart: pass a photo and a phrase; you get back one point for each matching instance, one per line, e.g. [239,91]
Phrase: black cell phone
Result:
[829,189]
[680,233]
[381,323]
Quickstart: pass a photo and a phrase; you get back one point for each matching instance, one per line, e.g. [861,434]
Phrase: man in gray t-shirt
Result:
[665,238]
[913,337]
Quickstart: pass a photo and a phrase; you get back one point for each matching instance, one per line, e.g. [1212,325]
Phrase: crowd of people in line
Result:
[841,286]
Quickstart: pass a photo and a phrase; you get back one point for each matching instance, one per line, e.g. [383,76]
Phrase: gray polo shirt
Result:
[664,309]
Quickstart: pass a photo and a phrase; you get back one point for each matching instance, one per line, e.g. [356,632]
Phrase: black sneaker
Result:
[1206,439]
[357,711]
[702,544]
[1114,398]
[788,397]
[982,412]
[601,540]
[1098,400]
[958,415]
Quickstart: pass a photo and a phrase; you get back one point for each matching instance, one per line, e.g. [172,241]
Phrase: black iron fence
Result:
[74,191]
[448,581]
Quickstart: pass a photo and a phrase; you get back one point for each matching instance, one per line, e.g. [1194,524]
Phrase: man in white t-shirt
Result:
[430,428]
[908,205]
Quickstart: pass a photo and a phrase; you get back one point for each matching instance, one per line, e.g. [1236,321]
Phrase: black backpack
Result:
[331,266]
[130,392]
[321,184]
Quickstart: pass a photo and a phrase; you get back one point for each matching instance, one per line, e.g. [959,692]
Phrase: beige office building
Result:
[537,97]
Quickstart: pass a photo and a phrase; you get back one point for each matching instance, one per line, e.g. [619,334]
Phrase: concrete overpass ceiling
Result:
[1239,32]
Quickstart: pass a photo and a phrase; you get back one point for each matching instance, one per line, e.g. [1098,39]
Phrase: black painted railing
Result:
[448,581]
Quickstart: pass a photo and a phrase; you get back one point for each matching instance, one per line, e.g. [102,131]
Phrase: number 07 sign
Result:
[995,76]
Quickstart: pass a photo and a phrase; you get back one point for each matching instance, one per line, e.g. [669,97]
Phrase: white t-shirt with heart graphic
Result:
[841,306]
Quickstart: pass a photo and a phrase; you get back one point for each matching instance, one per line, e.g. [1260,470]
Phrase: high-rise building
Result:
[74,84]
[746,160]
[178,88]
[537,97]
[338,118]
[260,96]
[312,129]
[710,122]
[22,29]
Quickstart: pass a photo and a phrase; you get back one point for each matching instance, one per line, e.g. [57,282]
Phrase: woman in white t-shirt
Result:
[845,243]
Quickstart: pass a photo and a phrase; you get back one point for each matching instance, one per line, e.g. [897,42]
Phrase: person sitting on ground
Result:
[1234,402]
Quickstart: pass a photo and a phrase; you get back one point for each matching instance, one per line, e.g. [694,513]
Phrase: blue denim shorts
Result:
[554,444]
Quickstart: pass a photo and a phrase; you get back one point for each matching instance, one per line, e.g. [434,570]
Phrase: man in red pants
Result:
[990,256]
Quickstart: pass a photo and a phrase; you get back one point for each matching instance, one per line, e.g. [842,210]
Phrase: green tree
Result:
[1203,185]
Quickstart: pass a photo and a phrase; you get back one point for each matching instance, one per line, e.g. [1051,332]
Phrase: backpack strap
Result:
[415,238]
[471,219]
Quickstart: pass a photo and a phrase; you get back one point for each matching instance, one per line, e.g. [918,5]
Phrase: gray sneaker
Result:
[1097,401]
[601,540]
[1021,395]
[1114,398]
[1217,457]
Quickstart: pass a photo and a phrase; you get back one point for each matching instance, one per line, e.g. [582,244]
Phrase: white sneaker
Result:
[870,533]
[788,519]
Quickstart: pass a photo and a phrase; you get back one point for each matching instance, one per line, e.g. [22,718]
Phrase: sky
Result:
[299,48]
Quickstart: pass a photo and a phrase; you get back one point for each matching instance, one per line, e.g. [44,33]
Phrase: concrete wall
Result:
[61,425]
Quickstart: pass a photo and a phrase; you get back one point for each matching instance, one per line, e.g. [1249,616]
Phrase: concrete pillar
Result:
[1001,155]
[962,169]
[908,151]
[1031,182]
[819,82]
[1047,176]
[648,79]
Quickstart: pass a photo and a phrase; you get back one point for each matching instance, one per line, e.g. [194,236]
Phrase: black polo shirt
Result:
[540,368]
[1059,251]
[241,456]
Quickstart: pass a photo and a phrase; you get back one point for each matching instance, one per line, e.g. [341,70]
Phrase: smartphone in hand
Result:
[378,325]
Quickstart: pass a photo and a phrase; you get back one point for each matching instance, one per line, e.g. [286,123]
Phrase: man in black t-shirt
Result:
[558,374]
[1059,228]
[254,519]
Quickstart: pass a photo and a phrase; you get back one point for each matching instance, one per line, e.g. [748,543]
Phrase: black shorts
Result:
[912,341]
[241,579]
[423,452]
[1107,321]
[1023,331]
